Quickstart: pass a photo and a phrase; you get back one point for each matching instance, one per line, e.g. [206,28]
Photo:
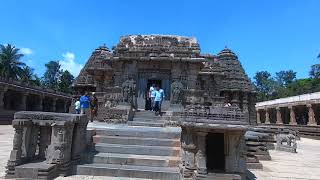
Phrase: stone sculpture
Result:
[286,142]
[128,91]
[176,92]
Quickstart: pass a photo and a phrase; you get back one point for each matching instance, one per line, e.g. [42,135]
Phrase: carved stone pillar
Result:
[65,104]
[23,105]
[59,150]
[189,147]
[258,117]
[201,159]
[2,92]
[43,142]
[32,147]
[293,120]
[15,155]
[279,117]
[40,104]
[54,104]
[312,120]
[267,116]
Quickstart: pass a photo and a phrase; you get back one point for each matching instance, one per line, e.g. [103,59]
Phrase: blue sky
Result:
[268,35]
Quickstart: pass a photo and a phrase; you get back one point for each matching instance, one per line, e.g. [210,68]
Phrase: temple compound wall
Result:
[297,112]
[18,96]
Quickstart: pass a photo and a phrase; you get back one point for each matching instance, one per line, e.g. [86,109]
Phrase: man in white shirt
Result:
[152,95]
[77,106]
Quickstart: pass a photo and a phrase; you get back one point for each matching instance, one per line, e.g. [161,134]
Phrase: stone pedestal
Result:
[293,120]
[279,117]
[312,120]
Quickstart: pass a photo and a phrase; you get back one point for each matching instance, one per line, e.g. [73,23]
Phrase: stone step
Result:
[115,170]
[136,141]
[137,149]
[133,159]
[149,124]
[137,131]
[148,119]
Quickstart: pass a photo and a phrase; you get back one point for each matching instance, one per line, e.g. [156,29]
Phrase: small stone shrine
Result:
[208,98]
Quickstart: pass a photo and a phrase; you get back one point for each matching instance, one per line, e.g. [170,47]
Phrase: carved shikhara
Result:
[45,144]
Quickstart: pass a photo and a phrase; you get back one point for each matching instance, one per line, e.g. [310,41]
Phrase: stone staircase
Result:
[147,118]
[141,151]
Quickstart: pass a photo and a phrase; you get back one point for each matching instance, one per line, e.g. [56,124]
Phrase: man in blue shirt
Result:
[159,95]
[85,103]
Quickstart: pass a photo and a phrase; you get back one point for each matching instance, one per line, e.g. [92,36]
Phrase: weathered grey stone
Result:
[59,145]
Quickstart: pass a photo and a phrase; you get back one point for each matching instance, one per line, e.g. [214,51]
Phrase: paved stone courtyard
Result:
[303,165]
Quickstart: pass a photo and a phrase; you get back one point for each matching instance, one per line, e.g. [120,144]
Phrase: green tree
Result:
[10,64]
[26,74]
[315,71]
[285,77]
[52,75]
[265,85]
[29,76]
[65,82]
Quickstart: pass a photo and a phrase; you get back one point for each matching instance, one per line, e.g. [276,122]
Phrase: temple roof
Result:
[98,62]
[157,46]
[235,76]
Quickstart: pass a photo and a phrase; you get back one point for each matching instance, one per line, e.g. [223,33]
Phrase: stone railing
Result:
[46,144]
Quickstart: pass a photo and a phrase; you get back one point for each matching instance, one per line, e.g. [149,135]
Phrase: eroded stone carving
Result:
[176,92]
[56,141]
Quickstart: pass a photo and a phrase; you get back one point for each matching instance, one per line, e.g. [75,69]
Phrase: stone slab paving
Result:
[284,166]
[6,137]
[303,165]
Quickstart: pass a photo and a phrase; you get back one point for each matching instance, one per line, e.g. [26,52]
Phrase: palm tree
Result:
[27,74]
[10,64]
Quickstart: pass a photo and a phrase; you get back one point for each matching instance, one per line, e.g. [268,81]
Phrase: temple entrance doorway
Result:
[215,152]
[151,82]
[146,79]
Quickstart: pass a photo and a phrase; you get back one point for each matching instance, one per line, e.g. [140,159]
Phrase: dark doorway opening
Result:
[156,82]
[215,152]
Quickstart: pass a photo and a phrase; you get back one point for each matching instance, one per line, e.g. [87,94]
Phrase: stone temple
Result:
[209,105]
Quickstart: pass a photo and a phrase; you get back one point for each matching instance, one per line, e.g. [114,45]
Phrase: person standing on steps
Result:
[94,106]
[157,101]
[77,106]
[85,103]
[152,92]
[162,96]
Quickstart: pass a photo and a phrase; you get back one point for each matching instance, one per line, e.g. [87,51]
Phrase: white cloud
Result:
[26,51]
[69,63]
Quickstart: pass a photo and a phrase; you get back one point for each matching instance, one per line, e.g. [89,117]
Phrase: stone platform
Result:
[303,165]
